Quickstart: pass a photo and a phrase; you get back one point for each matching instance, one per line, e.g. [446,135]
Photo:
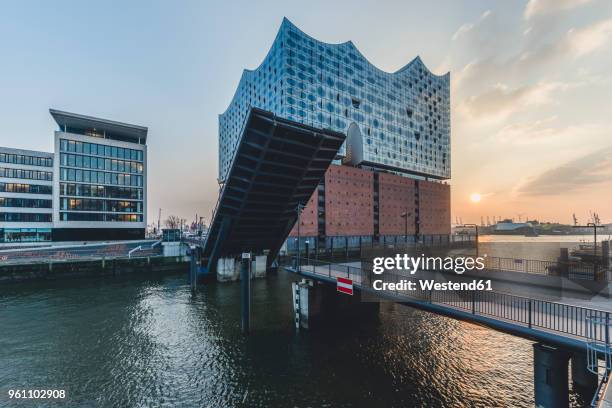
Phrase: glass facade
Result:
[8,235]
[403,117]
[26,174]
[25,188]
[28,198]
[24,202]
[24,217]
[15,158]
[100,183]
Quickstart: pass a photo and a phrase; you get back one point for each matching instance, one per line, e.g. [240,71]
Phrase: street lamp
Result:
[299,209]
[476,228]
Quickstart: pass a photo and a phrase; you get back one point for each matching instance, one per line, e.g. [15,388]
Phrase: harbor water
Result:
[145,341]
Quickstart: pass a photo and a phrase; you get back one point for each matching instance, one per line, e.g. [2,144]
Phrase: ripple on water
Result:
[151,342]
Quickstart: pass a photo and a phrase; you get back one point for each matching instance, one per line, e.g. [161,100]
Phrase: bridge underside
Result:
[278,165]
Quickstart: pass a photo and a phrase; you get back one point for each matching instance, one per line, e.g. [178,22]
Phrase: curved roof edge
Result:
[247,71]
[287,23]
[416,60]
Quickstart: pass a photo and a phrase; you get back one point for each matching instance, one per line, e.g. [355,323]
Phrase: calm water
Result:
[122,342]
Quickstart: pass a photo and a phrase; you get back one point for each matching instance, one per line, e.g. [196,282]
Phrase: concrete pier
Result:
[314,302]
[550,376]
[228,269]
[259,266]
[582,378]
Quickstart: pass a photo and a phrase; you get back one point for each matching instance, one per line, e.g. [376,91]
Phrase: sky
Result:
[531,86]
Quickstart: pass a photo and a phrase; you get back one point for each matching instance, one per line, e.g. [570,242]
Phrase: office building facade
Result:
[100,178]
[93,187]
[26,196]
[396,157]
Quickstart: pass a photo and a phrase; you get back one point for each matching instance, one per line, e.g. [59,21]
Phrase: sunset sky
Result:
[531,86]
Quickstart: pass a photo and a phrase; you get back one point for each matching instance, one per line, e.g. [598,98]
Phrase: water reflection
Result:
[150,342]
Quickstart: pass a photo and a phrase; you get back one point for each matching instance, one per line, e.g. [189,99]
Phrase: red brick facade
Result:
[397,196]
[308,219]
[434,208]
[349,199]
[349,205]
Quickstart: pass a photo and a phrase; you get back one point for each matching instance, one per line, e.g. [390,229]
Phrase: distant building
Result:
[397,153]
[93,187]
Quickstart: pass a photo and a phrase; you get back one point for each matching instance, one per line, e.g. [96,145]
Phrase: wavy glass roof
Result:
[403,117]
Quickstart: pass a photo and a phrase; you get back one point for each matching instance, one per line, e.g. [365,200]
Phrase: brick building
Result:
[355,206]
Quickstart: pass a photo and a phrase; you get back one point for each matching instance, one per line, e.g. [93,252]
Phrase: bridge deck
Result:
[277,165]
[536,319]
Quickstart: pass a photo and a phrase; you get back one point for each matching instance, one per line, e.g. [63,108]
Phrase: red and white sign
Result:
[344,285]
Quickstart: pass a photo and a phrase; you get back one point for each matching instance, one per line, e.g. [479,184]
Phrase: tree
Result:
[173,222]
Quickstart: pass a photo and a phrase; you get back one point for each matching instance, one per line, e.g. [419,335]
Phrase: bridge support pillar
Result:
[582,378]
[260,266]
[227,269]
[550,376]
[245,293]
[307,297]
[317,303]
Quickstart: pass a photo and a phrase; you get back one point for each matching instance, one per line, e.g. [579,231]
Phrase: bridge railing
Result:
[569,269]
[581,270]
[554,317]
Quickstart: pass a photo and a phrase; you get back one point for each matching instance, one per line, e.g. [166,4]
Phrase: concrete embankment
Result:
[75,268]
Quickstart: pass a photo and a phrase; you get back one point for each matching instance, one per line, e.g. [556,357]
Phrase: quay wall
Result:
[75,268]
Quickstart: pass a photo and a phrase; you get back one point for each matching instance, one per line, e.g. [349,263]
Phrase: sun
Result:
[475,198]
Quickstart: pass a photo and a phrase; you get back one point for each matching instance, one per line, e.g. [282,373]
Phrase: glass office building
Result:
[93,187]
[397,121]
[26,196]
[101,178]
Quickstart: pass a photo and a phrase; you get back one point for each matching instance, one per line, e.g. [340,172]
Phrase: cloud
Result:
[501,101]
[466,28]
[584,41]
[550,131]
[574,43]
[541,7]
[530,132]
[578,174]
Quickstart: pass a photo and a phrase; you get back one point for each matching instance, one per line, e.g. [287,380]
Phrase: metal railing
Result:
[599,354]
[82,252]
[568,269]
[555,317]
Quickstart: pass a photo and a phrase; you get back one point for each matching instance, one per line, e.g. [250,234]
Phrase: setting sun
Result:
[475,198]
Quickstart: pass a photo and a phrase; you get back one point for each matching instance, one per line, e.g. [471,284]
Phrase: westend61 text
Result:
[406,285]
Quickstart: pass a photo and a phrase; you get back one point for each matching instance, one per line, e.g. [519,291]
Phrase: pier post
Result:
[550,376]
[307,297]
[605,253]
[245,292]
[581,376]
